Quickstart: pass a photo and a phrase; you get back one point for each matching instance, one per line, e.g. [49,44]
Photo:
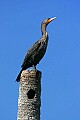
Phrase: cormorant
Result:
[37,51]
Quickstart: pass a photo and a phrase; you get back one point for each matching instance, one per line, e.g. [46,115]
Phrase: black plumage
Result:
[37,51]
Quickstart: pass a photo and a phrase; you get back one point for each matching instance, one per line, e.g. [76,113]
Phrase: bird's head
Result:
[48,20]
[45,23]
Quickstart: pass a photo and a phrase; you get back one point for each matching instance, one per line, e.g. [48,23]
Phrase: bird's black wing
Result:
[31,51]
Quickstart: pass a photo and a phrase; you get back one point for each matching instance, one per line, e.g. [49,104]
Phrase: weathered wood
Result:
[29,95]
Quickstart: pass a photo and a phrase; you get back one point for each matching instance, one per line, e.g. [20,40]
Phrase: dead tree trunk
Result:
[29,95]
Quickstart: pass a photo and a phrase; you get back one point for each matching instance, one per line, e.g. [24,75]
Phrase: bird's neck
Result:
[43,29]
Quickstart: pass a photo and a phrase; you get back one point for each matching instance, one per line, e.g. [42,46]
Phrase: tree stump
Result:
[29,101]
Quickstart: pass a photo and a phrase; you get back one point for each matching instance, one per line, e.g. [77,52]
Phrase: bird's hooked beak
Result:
[51,19]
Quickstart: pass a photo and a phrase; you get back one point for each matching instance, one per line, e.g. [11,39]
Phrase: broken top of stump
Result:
[30,74]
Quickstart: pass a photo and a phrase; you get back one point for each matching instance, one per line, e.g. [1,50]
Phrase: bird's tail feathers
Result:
[18,77]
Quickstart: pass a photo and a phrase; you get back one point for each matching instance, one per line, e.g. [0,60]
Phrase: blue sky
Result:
[20,22]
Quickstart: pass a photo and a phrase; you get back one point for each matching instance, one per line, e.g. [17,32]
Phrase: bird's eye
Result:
[48,18]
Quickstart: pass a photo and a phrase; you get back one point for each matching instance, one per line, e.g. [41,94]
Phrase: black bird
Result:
[37,51]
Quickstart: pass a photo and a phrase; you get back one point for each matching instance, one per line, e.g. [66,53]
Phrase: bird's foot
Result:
[34,67]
